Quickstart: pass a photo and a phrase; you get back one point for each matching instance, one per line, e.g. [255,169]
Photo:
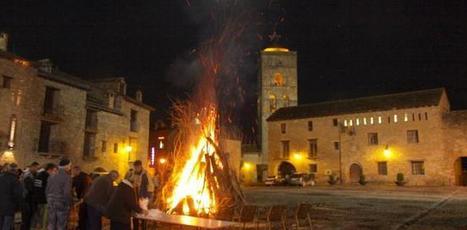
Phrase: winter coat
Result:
[141,183]
[27,183]
[100,192]
[10,194]
[40,183]
[123,203]
[59,188]
[81,184]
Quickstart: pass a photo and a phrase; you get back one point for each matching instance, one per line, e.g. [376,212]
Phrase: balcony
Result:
[55,147]
[53,114]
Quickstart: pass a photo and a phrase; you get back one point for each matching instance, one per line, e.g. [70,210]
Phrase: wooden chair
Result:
[303,213]
[276,214]
[247,215]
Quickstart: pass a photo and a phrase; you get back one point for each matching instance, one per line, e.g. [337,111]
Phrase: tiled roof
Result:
[414,99]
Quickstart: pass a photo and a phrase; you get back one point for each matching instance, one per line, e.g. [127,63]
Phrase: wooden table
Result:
[181,220]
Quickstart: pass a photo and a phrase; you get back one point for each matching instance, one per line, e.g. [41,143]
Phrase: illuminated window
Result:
[278,79]
[382,168]
[313,148]
[350,123]
[345,123]
[272,103]
[161,144]
[371,120]
[283,128]
[406,117]
[357,122]
[380,120]
[372,138]
[364,120]
[418,168]
[12,135]
[395,118]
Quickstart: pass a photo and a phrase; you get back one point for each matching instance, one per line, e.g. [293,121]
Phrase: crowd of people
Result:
[45,196]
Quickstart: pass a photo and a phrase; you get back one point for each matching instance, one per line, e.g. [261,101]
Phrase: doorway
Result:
[286,169]
[355,172]
[461,171]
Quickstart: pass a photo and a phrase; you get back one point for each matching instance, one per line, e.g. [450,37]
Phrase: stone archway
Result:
[286,168]
[355,172]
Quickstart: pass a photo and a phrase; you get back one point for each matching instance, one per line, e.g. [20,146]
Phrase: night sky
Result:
[345,48]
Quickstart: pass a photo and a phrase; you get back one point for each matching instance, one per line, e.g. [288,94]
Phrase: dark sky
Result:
[346,48]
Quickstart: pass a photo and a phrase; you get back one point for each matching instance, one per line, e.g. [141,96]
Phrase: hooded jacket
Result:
[123,203]
[10,194]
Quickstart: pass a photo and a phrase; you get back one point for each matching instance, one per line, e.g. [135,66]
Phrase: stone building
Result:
[47,114]
[414,133]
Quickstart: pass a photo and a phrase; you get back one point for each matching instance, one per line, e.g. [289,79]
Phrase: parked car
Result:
[297,179]
[270,181]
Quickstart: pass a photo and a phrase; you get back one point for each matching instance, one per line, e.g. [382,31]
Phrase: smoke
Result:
[227,48]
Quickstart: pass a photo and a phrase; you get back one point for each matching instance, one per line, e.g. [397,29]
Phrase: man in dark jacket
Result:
[97,199]
[81,184]
[59,197]
[28,206]
[40,183]
[121,206]
[10,196]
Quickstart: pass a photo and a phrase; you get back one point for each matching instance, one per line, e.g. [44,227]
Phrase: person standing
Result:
[81,184]
[121,206]
[141,184]
[59,196]
[97,199]
[10,196]
[28,206]
[40,183]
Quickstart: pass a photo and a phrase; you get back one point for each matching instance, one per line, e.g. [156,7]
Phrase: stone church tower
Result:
[277,88]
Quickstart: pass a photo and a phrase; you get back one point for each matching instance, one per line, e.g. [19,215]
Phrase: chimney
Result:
[46,65]
[3,41]
[139,95]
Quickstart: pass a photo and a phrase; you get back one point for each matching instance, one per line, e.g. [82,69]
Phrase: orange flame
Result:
[192,182]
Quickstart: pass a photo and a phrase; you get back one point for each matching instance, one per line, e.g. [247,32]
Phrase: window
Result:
[406,117]
[395,118]
[272,103]
[337,145]
[161,144]
[412,136]
[115,147]
[382,168]
[313,168]
[372,138]
[285,149]
[104,146]
[418,168]
[283,128]
[350,123]
[278,79]
[364,121]
[313,148]
[357,122]
[419,116]
[426,116]
[6,82]
[91,119]
[310,125]
[50,100]
[345,123]
[371,121]
[335,122]
[389,120]
[413,116]
[89,144]
[44,137]
[134,121]
[380,120]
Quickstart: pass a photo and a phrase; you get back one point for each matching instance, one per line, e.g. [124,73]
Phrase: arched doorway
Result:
[286,168]
[355,172]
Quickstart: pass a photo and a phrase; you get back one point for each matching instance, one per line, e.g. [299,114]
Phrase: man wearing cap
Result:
[59,196]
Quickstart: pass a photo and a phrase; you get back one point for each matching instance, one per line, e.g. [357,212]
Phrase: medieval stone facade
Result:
[413,133]
[47,115]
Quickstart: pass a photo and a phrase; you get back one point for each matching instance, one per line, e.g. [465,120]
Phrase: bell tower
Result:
[277,88]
